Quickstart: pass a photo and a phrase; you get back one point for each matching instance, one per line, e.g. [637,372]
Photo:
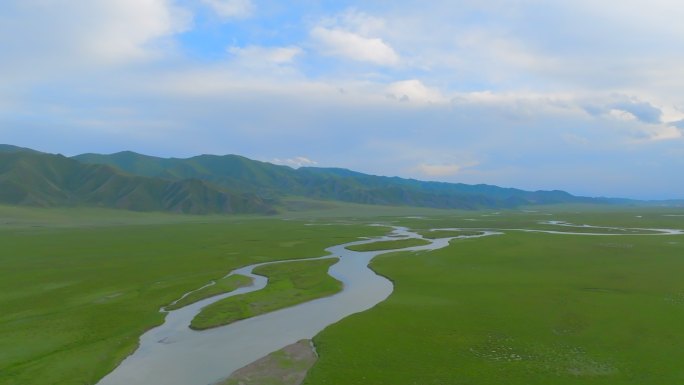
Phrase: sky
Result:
[577,95]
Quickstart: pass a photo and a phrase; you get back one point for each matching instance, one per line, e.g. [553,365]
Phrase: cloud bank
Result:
[572,95]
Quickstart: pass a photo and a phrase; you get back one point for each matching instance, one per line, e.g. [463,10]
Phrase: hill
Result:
[8,148]
[272,181]
[235,184]
[38,179]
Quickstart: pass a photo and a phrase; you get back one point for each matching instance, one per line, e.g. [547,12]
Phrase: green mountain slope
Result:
[233,171]
[8,148]
[269,180]
[38,179]
[232,183]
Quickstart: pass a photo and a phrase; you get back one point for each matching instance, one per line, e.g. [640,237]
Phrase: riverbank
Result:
[75,298]
[287,366]
[173,354]
[523,308]
[289,284]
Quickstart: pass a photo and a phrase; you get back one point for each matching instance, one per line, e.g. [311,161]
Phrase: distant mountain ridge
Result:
[269,180]
[37,179]
[230,184]
[8,148]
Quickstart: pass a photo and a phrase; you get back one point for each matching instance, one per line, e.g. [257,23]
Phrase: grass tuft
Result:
[289,284]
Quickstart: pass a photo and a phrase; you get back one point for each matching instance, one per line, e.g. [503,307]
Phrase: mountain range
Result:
[230,184]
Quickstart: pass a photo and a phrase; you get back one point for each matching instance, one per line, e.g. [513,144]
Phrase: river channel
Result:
[174,354]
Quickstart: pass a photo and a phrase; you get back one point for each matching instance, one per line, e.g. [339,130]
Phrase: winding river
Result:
[174,354]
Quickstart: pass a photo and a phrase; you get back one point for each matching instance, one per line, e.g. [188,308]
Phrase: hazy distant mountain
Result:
[269,180]
[231,171]
[38,179]
[230,184]
[9,148]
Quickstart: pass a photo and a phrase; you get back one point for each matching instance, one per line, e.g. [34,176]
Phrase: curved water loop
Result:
[173,354]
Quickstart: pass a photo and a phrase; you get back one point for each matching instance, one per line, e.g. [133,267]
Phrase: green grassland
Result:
[79,286]
[223,285]
[388,245]
[521,308]
[289,284]
[448,233]
[327,210]
[619,216]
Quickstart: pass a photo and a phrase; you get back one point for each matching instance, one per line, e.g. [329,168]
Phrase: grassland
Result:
[535,218]
[521,308]
[223,285]
[289,284]
[448,233]
[389,245]
[79,286]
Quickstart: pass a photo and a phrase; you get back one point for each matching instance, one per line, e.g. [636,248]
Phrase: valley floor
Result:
[77,288]
[521,308]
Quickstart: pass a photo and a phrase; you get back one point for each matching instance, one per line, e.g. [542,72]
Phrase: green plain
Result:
[289,284]
[449,233]
[521,308]
[79,286]
[389,245]
[223,285]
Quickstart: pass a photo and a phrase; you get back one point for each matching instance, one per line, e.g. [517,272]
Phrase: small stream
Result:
[174,354]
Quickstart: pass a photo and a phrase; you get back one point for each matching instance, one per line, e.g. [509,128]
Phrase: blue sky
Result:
[561,94]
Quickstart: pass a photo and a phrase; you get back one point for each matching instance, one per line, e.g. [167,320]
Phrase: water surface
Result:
[173,354]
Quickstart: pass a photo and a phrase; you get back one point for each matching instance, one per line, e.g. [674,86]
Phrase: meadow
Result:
[448,233]
[521,308]
[289,284]
[219,286]
[79,286]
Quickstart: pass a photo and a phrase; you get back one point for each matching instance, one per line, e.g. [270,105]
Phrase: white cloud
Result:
[499,54]
[296,162]
[127,26]
[275,55]
[672,114]
[629,108]
[414,90]
[349,45]
[53,36]
[443,170]
[643,111]
[229,9]
[233,81]
[355,21]
[661,133]
[668,132]
[621,115]
[502,87]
